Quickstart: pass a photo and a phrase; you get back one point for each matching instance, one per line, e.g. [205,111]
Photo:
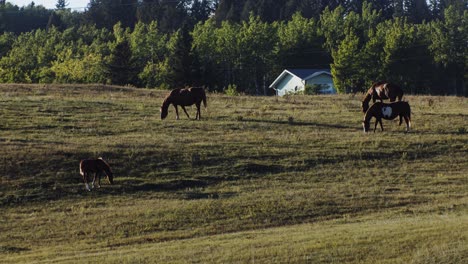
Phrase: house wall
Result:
[324,79]
[289,84]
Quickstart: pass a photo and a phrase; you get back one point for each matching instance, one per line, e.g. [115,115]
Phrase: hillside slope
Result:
[258,179]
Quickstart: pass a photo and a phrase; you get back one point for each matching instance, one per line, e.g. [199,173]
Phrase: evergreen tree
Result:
[229,10]
[398,8]
[386,7]
[6,41]
[170,15]
[269,10]
[174,15]
[106,13]
[435,9]
[247,10]
[405,50]
[148,11]
[200,10]
[61,4]
[417,10]
[55,21]
[119,67]
[179,58]
[23,19]
[346,64]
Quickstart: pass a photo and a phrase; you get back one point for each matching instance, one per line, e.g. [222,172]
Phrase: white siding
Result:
[289,84]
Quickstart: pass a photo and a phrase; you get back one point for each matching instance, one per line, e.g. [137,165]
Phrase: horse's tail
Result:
[81,168]
[409,115]
[204,98]
[399,92]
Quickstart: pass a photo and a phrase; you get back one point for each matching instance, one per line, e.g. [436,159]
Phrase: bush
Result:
[314,88]
[231,90]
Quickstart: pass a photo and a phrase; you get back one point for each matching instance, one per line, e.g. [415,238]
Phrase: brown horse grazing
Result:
[389,111]
[184,97]
[381,90]
[96,166]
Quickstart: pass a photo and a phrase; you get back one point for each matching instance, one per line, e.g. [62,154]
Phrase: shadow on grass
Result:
[174,185]
[298,123]
[39,181]
[10,249]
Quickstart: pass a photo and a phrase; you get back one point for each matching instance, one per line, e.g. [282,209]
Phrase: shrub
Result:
[231,90]
[313,89]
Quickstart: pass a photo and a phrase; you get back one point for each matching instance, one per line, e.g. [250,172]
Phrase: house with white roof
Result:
[291,81]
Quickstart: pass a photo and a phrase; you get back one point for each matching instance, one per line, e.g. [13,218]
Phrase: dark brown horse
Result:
[389,111]
[184,97]
[96,166]
[382,91]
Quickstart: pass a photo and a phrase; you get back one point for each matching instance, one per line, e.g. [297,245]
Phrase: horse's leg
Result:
[183,107]
[85,179]
[94,178]
[98,176]
[408,124]
[378,121]
[176,112]
[198,111]
[401,120]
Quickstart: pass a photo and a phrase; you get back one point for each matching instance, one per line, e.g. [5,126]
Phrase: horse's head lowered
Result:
[108,171]
[365,126]
[163,113]
[365,106]
[110,176]
[164,110]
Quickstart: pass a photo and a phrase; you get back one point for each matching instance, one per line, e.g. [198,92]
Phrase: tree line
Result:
[240,44]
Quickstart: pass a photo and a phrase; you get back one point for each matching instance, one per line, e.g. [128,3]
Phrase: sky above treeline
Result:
[50,4]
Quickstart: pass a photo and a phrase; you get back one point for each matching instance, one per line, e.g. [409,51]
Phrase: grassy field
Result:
[258,180]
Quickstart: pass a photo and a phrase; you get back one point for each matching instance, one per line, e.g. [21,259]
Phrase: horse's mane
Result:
[167,100]
[371,91]
[368,114]
[105,162]
[368,96]
[378,83]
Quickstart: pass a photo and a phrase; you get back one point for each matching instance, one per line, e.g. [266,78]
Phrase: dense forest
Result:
[238,44]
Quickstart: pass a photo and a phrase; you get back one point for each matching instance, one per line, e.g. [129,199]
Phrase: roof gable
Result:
[301,74]
[305,73]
